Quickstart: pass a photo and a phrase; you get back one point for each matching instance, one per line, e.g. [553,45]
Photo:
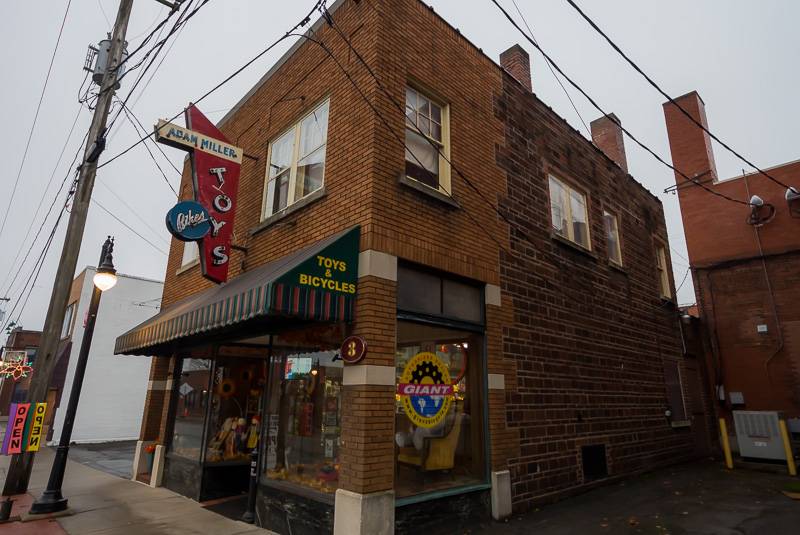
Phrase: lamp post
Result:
[51,500]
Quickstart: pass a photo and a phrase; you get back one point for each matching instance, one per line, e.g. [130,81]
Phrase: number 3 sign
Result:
[354,348]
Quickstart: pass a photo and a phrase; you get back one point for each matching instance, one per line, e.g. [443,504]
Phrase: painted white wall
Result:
[114,387]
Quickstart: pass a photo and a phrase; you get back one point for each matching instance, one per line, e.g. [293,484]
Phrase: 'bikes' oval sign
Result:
[188,221]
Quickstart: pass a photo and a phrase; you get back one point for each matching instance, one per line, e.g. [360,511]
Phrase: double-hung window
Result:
[191,253]
[663,273]
[612,238]
[66,327]
[427,144]
[569,213]
[296,165]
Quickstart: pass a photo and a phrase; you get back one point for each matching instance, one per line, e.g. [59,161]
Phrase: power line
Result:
[597,106]
[289,33]
[679,254]
[47,215]
[132,117]
[37,267]
[152,157]
[671,100]
[103,11]
[685,276]
[144,42]
[388,127]
[44,194]
[549,66]
[134,212]
[138,35]
[35,118]
[152,74]
[438,149]
[123,223]
[155,50]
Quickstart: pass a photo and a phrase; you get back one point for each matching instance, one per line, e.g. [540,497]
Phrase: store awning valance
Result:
[316,283]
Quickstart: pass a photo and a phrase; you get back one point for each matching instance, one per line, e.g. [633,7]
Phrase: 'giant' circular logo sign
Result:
[425,390]
[188,221]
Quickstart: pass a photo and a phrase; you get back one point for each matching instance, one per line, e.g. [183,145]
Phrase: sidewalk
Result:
[107,505]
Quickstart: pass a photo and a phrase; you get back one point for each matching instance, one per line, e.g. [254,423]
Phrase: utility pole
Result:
[19,471]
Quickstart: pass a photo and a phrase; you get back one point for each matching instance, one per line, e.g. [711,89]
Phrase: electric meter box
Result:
[758,435]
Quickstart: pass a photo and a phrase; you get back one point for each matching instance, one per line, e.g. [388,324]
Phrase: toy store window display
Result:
[190,413]
[235,414]
[439,439]
[302,424]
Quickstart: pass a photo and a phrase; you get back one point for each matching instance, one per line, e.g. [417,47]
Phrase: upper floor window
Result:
[69,315]
[612,237]
[191,253]
[663,274]
[296,159]
[569,213]
[427,141]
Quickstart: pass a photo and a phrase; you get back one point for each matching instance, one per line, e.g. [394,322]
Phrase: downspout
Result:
[769,289]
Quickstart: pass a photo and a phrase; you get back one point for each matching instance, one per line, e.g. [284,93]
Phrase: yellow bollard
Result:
[787,447]
[726,447]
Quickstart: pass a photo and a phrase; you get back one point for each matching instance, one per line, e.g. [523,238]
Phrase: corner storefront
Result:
[259,364]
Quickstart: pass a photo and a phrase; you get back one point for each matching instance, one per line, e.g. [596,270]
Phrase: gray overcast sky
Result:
[740,55]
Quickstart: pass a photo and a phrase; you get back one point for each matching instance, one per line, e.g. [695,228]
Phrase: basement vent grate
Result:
[594,462]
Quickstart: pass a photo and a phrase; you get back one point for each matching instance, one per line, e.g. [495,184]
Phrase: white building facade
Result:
[114,388]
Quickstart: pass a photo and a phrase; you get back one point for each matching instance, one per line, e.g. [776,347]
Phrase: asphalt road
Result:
[115,458]
[696,498]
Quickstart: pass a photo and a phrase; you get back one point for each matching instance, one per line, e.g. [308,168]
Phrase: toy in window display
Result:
[240,437]
[215,449]
[252,433]
[230,447]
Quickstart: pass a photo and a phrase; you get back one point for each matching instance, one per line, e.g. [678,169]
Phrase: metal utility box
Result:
[758,434]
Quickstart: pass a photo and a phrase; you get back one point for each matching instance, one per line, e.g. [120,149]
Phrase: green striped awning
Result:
[317,283]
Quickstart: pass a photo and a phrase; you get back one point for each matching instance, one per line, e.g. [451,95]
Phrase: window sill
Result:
[617,267]
[680,423]
[667,300]
[572,245]
[186,267]
[429,191]
[297,490]
[289,210]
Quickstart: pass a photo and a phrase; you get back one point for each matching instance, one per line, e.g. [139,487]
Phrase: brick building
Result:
[746,265]
[495,255]
[12,391]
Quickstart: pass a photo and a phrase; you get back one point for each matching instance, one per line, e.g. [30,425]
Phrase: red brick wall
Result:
[589,340]
[731,286]
[580,344]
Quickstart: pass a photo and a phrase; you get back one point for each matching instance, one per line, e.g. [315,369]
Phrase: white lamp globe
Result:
[104,280]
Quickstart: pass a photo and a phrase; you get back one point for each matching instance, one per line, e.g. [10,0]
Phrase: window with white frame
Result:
[663,273]
[427,141]
[66,327]
[296,159]
[191,253]
[612,237]
[569,213]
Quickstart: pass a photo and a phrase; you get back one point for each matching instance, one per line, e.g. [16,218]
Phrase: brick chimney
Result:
[690,146]
[607,135]
[518,64]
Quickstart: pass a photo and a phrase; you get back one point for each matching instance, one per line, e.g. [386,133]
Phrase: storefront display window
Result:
[235,415]
[187,436]
[439,441]
[303,420]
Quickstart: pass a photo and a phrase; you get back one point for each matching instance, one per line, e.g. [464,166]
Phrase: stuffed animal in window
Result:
[252,433]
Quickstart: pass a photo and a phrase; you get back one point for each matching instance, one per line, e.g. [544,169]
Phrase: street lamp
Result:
[51,500]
